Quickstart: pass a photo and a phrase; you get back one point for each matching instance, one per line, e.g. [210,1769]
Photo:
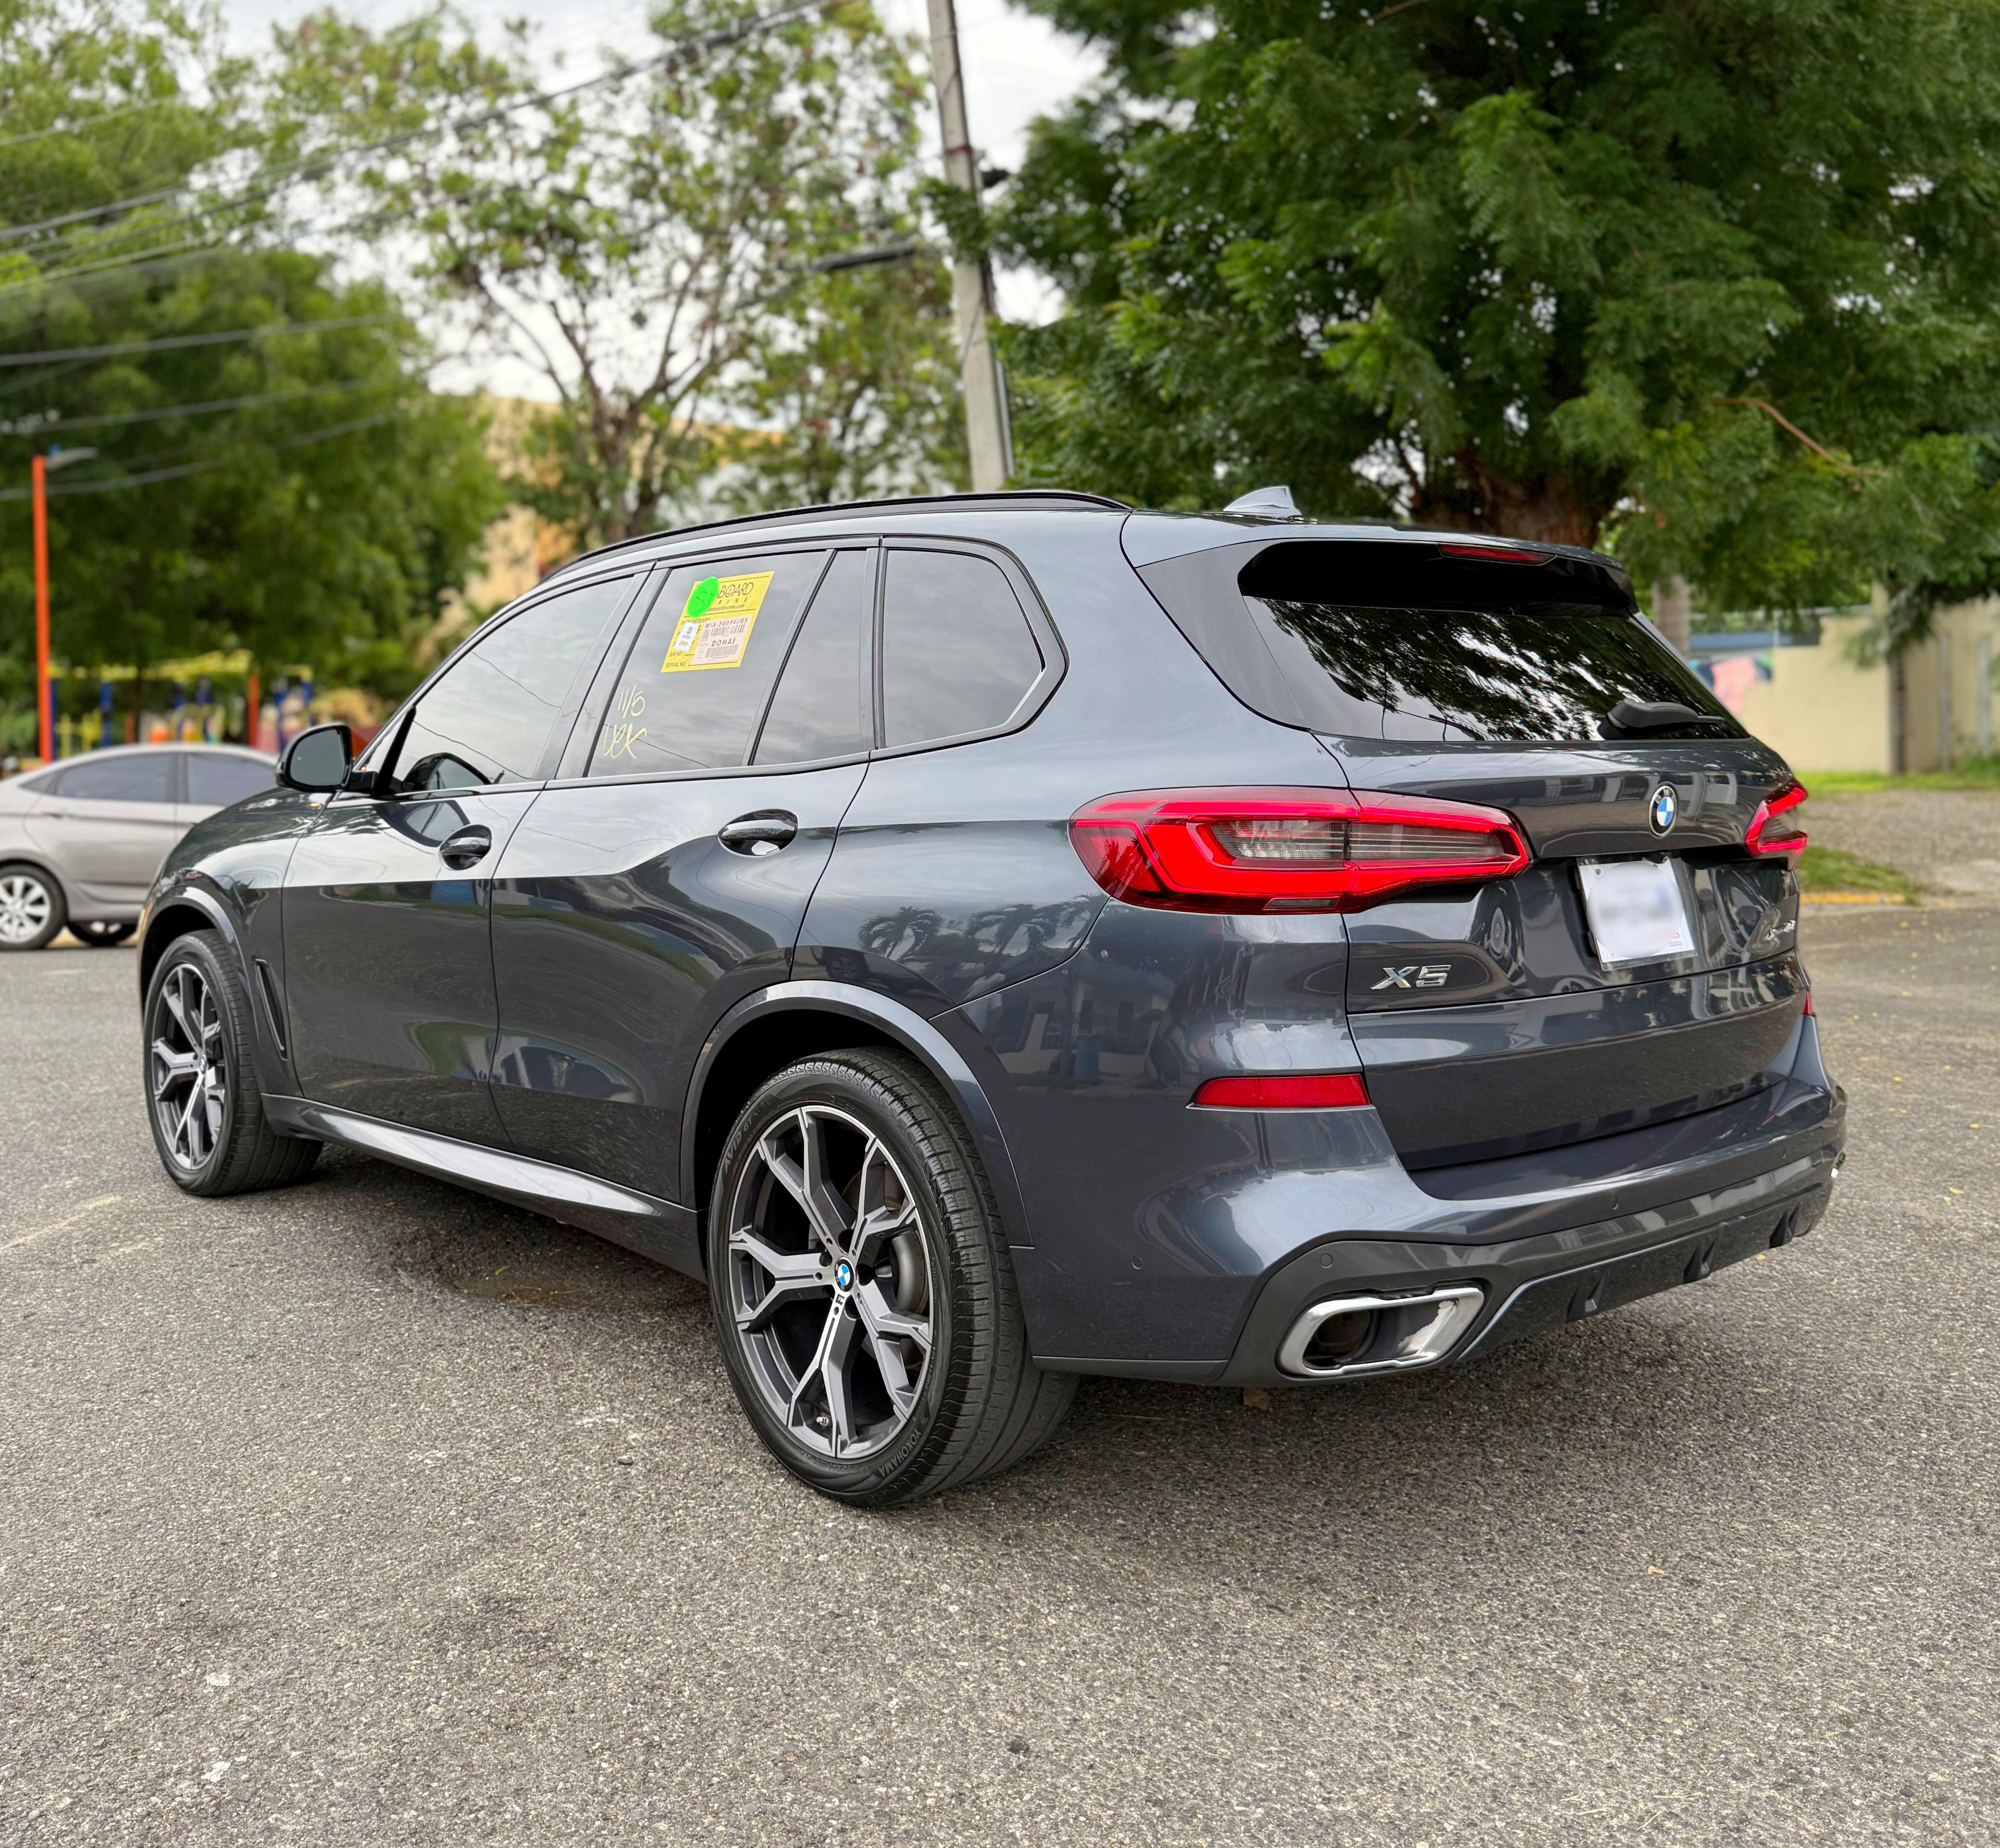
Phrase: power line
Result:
[193,468]
[109,115]
[154,414]
[698,45]
[117,348]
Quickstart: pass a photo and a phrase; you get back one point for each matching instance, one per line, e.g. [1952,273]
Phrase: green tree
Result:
[1718,285]
[851,392]
[637,243]
[273,472]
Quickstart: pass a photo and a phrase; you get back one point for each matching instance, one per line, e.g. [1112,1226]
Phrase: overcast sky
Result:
[1016,68]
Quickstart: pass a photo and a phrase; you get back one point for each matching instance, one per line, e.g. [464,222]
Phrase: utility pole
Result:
[986,432]
[38,477]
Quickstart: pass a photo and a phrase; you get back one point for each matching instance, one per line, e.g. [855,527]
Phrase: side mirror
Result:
[317,761]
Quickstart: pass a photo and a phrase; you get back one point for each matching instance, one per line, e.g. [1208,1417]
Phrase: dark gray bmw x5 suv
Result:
[993,939]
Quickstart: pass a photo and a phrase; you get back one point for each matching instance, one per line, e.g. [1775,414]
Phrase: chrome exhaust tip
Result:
[1345,1337]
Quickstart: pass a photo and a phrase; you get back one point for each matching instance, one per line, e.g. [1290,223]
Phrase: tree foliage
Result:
[1717,283]
[643,246]
[300,493]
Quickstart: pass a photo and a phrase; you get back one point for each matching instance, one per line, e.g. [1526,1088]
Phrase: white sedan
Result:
[81,841]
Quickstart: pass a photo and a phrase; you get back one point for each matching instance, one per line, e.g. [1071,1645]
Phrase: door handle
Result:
[764,832]
[467,847]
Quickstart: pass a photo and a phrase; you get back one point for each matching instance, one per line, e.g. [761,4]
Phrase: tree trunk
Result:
[1673,611]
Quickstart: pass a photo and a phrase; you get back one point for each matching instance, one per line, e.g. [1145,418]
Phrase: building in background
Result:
[1813,703]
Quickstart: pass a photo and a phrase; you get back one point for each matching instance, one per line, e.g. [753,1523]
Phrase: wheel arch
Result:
[793,1020]
[190,909]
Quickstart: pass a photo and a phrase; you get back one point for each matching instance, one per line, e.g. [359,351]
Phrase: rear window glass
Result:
[1370,641]
[215,781]
[695,682]
[957,653]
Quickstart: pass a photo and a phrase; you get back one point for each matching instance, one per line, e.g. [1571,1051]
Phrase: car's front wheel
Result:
[206,1109]
[31,908]
[863,1296]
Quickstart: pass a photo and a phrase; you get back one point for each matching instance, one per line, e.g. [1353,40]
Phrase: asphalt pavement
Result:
[372,1512]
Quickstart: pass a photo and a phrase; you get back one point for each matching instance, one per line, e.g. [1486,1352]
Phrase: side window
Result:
[957,653]
[489,719]
[214,781]
[133,776]
[697,677]
[821,708]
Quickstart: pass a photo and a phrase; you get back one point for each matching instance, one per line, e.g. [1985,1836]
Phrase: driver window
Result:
[489,719]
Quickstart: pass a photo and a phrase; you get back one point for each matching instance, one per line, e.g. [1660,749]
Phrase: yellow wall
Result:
[1822,712]
[1818,710]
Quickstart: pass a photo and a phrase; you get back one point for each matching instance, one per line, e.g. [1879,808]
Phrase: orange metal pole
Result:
[38,472]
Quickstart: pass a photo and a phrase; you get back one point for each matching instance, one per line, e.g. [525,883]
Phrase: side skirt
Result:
[655,1228]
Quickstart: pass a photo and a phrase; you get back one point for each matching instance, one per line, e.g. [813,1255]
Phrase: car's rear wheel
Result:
[32,907]
[206,1112]
[864,1299]
[102,933]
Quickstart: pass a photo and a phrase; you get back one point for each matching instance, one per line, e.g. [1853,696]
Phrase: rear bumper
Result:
[1631,1215]
[1534,1284]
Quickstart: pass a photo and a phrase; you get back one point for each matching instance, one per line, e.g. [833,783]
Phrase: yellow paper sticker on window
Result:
[716,622]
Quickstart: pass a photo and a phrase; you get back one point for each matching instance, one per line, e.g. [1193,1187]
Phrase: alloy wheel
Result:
[829,1282]
[189,1071]
[24,906]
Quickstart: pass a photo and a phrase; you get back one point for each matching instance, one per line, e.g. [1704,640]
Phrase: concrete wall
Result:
[1823,712]
[1817,709]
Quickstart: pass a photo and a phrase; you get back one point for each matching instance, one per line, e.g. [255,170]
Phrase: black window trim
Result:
[389,739]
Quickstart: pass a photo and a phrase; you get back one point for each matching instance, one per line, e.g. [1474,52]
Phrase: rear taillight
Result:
[1769,832]
[1284,1091]
[1287,850]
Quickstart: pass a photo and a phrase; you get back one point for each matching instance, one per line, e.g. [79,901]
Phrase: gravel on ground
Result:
[1947,840]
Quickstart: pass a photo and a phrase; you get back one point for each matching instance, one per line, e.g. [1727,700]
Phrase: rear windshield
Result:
[1395,641]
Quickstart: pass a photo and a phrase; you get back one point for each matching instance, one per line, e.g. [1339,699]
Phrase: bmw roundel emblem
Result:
[843,1274]
[1666,806]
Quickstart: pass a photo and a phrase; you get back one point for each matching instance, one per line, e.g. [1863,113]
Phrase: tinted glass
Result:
[489,719]
[1392,641]
[821,706]
[216,781]
[141,776]
[957,653]
[694,685]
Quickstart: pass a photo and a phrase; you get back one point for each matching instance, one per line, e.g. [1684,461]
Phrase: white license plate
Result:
[1636,911]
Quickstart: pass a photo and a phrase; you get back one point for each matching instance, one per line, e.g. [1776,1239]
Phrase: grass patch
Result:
[1834,869]
[1971,772]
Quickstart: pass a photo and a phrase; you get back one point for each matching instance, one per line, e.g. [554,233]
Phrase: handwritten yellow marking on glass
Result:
[716,622]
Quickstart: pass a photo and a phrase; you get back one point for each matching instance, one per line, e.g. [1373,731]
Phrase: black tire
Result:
[33,908]
[102,933]
[980,1403]
[202,1098]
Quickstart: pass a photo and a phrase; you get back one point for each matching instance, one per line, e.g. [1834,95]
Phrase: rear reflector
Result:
[1287,850]
[1284,1091]
[1769,832]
